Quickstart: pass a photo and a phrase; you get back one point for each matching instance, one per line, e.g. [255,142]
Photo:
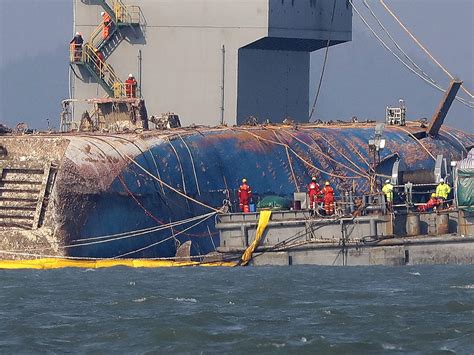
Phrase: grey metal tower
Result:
[211,61]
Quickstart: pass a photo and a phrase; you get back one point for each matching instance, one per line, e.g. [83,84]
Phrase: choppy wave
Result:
[267,309]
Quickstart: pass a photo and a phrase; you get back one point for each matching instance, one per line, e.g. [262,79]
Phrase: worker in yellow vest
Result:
[387,189]
[442,191]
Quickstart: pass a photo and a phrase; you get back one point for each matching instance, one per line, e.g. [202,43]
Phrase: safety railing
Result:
[129,14]
[96,36]
[103,70]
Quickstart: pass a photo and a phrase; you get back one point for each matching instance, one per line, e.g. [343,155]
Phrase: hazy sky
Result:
[361,77]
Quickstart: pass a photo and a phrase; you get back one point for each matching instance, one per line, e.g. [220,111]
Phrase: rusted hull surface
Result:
[99,191]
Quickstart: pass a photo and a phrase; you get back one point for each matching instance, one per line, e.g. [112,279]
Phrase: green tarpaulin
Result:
[465,189]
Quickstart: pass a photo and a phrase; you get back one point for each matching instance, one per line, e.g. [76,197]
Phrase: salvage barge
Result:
[293,238]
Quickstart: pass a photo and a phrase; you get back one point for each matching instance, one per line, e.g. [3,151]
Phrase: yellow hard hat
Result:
[327,183]
[433,195]
[244,180]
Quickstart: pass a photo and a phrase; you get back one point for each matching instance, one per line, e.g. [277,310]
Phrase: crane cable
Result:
[395,42]
[324,63]
[463,101]
[421,46]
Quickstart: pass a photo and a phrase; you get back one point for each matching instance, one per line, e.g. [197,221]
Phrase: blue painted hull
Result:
[122,179]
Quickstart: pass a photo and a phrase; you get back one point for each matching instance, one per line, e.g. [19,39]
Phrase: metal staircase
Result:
[122,16]
[24,195]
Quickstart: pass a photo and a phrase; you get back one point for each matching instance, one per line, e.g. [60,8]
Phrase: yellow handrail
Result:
[126,13]
[104,70]
[95,34]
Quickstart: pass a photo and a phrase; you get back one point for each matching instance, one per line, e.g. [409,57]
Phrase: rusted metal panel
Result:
[443,108]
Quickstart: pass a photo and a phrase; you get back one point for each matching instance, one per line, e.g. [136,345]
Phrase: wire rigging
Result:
[463,101]
[421,46]
[324,63]
[395,42]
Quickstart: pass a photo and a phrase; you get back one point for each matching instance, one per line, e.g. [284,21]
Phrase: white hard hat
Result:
[130,75]
[102,13]
[78,34]
[441,180]
[387,181]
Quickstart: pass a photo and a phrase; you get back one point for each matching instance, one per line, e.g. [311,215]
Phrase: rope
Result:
[325,155]
[192,163]
[296,154]
[148,213]
[324,62]
[126,157]
[421,46]
[180,166]
[39,256]
[455,138]
[417,140]
[171,187]
[393,40]
[147,147]
[138,232]
[163,240]
[463,101]
[289,163]
[342,154]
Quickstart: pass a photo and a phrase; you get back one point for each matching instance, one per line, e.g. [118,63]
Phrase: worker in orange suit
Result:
[328,193]
[245,194]
[130,86]
[313,192]
[106,25]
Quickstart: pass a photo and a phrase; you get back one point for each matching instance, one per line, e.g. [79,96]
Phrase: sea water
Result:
[298,309]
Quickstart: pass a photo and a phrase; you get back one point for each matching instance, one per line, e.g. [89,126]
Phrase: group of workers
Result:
[437,198]
[318,198]
[324,198]
[321,197]
[98,57]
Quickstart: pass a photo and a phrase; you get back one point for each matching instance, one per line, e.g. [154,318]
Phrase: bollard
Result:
[442,223]
[413,224]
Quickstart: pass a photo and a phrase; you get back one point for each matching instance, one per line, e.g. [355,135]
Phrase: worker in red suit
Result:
[328,193]
[100,59]
[313,192]
[130,86]
[432,203]
[106,25]
[245,194]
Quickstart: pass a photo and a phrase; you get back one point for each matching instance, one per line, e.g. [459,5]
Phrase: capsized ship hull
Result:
[126,195]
